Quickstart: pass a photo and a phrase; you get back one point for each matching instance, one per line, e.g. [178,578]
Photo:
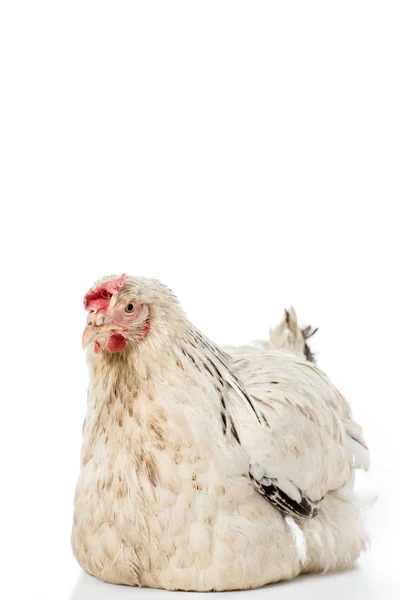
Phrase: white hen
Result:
[203,470]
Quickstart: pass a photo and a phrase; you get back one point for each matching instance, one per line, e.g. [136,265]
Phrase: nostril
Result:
[90,323]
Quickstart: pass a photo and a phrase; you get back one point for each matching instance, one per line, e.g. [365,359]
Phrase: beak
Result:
[100,333]
[89,335]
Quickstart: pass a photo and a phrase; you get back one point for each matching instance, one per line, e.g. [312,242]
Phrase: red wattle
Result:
[116,343]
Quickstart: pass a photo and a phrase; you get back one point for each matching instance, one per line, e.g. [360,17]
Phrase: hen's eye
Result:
[130,308]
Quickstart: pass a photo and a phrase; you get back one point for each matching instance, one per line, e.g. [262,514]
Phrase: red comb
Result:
[100,297]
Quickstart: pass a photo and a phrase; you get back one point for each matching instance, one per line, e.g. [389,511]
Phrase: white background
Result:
[247,154]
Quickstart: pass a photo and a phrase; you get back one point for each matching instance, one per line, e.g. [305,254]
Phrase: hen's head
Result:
[124,311]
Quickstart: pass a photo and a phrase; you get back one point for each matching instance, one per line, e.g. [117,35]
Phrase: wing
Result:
[291,421]
[240,413]
[313,444]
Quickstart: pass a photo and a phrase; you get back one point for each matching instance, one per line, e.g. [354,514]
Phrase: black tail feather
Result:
[308,332]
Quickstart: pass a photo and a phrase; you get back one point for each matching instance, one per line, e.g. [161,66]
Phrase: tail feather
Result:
[308,332]
[288,335]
